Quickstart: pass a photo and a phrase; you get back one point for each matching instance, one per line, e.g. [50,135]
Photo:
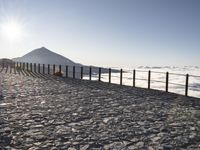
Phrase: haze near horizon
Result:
[104,33]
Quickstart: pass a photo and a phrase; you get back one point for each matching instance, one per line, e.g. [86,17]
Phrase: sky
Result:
[111,33]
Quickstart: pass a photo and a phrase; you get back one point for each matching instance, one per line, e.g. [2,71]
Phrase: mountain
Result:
[45,56]
[5,60]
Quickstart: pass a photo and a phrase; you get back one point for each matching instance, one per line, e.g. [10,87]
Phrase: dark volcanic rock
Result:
[47,112]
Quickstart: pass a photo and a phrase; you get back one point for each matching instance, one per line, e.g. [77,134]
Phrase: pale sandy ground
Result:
[45,112]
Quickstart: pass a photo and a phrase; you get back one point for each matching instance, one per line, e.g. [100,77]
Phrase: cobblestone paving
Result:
[42,112]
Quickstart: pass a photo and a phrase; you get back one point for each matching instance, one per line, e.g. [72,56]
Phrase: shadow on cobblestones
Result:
[39,111]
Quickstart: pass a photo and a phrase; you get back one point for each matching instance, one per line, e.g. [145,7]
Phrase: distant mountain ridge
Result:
[6,60]
[45,56]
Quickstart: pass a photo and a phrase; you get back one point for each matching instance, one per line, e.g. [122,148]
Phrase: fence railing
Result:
[108,75]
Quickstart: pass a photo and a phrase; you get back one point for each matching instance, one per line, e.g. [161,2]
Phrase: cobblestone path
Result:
[43,112]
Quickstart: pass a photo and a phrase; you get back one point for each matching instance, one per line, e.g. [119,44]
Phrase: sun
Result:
[12,30]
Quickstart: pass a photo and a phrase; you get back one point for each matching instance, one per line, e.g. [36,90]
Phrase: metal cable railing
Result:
[119,76]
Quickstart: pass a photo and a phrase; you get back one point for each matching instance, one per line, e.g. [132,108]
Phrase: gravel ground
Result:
[43,112]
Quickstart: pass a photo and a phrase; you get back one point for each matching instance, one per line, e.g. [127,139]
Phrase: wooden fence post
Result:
[74,72]
[121,76]
[54,67]
[109,75]
[167,81]
[43,68]
[23,66]
[34,67]
[38,68]
[134,78]
[99,74]
[48,69]
[149,79]
[90,73]
[66,71]
[27,66]
[31,69]
[186,84]
[81,72]
[60,68]
[14,65]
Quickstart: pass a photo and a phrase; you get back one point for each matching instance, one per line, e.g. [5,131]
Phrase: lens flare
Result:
[12,30]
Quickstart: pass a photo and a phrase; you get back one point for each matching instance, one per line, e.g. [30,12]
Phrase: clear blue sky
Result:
[121,33]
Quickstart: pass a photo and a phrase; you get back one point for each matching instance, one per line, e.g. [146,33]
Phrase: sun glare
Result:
[12,30]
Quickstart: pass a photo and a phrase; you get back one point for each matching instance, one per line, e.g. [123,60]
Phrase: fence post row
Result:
[109,75]
[134,78]
[74,72]
[121,76]
[186,84]
[167,81]
[99,74]
[149,79]
[81,72]
[33,67]
[90,73]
